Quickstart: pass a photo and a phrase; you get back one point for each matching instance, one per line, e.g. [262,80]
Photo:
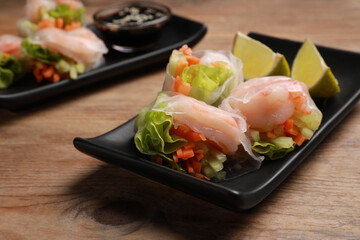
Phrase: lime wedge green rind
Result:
[325,88]
[258,59]
[309,67]
[282,68]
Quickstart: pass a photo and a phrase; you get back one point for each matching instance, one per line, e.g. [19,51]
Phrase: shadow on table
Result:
[133,205]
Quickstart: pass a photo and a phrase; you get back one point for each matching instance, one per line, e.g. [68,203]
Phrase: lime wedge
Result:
[258,59]
[309,67]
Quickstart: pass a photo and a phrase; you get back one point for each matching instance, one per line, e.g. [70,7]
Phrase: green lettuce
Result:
[11,63]
[10,69]
[274,148]
[206,78]
[6,78]
[64,11]
[153,137]
[36,51]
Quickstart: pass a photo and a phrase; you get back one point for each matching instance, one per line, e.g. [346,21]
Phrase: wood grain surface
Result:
[49,190]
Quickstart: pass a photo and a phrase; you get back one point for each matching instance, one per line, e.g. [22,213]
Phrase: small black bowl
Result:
[132,26]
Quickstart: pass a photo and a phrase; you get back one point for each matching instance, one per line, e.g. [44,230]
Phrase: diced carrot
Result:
[180,67]
[185,89]
[185,132]
[271,135]
[290,128]
[55,77]
[175,157]
[181,87]
[299,139]
[189,167]
[37,74]
[289,124]
[48,72]
[46,23]
[186,50]
[179,153]
[187,153]
[196,164]
[177,83]
[293,131]
[192,60]
[59,23]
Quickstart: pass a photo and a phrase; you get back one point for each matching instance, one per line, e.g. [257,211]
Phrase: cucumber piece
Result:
[283,142]
[175,58]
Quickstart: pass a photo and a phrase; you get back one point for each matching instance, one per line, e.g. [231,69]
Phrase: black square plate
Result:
[242,192]
[178,31]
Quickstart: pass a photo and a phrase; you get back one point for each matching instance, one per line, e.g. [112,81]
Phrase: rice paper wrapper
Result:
[247,91]
[226,129]
[216,96]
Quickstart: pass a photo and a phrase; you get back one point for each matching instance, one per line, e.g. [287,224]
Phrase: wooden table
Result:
[49,190]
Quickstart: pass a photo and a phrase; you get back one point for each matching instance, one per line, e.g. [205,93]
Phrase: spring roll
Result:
[12,64]
[190,136]
[279,112]
[62,14]
[205,75]
[65,53]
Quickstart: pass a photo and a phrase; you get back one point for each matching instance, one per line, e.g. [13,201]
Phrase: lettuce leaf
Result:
[36,51]
[64,11]
[6,77]
[11,63]
[205,78]
[199,74]
[10,69]
[153,137]
[276,149]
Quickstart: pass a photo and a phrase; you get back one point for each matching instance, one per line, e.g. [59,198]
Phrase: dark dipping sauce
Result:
[134,25]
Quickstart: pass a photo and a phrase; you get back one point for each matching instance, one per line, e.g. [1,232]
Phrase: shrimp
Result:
[215,124]
[32,8]
[268,102]
[11,44]
[81,44]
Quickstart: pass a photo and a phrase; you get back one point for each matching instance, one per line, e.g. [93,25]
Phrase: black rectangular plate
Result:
[177,32]
[242,192]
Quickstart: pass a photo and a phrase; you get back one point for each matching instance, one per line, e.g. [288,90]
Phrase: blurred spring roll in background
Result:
[58,54]
[190,136]
[62,14]
[205,75]
[11,60]
[279,111]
